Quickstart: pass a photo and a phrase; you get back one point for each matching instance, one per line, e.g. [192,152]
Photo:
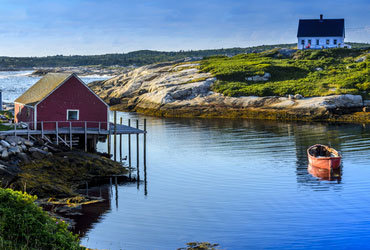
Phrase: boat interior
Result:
[322,151]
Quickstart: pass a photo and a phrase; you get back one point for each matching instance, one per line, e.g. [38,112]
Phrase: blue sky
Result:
[39,28]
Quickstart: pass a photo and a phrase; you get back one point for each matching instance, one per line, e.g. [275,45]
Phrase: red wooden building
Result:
[62,99]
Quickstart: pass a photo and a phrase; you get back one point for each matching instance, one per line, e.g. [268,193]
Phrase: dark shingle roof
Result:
[320,28]
[42,88]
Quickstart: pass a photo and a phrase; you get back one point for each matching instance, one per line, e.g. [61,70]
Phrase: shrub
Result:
[24,225]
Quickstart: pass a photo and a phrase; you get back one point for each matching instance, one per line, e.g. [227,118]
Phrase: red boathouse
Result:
[61,100]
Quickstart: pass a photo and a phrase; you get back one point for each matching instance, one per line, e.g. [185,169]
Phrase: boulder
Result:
[33,149]
[4,143]
[5,154]
[298,96]
[23,157]
[13,144]
[24,148]
[13,150]
[37,155]
[28,143]
[361,59]
[6,175]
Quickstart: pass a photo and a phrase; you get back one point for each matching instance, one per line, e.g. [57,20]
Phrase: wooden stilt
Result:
[57,132]
[120,144]
[108,139]
[28,132]
[115,136]
[137,152]
[42,129]
[145,180]
[85,136]
[70,135]
[144,146]
[129,146]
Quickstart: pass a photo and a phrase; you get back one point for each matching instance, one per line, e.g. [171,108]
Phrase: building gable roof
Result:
[42,88]
[320,28]
[45,86]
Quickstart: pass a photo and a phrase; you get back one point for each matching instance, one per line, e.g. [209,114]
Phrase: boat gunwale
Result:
[325,157]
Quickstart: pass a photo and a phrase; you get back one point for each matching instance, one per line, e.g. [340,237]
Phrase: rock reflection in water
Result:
[91,214]
[326,174]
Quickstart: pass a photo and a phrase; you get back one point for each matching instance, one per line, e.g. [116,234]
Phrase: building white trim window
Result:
[73,114]
[321,33]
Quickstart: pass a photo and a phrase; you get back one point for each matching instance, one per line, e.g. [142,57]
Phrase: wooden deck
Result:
[119,130]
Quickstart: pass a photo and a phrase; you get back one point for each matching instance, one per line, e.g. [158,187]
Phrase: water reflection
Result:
[243,184]
[91,214]
[326,174]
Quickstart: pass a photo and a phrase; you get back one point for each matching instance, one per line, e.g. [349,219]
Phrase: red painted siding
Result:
[23,113]
[72,95]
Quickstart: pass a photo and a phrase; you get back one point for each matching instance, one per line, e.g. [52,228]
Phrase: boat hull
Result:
[331,162]
[324,162]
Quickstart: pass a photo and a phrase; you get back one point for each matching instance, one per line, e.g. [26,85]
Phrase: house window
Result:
[19,109]
[73,114]
[335,41]
[327,41]
[317,41]
[302,41]
[309,41]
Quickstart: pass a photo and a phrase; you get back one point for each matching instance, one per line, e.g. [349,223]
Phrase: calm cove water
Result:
[243,184]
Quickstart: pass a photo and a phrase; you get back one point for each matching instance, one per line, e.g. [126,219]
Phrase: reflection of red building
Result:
[63,98]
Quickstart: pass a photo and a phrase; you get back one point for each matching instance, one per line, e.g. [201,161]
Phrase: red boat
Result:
[322,156]
[325,174]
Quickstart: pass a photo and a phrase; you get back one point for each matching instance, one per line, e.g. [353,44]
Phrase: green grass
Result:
[298,74]
[24,225]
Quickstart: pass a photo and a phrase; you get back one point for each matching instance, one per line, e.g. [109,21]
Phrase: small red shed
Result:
[62,99]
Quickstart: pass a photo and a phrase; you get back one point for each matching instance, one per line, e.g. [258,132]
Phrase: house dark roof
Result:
[320,27]
[42,88]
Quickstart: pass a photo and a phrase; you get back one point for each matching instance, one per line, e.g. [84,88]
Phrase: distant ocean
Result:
[14,83]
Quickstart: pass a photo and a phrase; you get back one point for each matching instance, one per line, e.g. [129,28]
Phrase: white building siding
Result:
[320,42]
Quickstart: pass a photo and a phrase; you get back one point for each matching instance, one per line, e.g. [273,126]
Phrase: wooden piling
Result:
[85,136]
[115,136]
[70,135]
[144,149]
[145,180]
[129,146]
[57,132]
[137,152]
[42,129]
[108,138]
[120,144]
[28,132]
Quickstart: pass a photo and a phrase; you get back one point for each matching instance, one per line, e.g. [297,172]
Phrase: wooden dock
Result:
[85,133]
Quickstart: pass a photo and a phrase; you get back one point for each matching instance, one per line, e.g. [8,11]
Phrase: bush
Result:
[24,225]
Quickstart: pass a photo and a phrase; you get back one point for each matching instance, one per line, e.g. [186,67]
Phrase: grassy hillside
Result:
[309,73]
[138,58]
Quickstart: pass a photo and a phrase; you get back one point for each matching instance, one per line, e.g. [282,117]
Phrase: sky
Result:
[88,27]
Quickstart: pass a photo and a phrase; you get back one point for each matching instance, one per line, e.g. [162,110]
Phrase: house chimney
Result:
[321,17]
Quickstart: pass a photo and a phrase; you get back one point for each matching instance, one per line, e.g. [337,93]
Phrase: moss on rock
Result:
[61,174]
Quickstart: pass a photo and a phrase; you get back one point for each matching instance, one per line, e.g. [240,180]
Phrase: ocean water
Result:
[14,83]
[241,183]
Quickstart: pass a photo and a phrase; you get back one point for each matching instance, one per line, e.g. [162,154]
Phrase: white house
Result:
[321,33]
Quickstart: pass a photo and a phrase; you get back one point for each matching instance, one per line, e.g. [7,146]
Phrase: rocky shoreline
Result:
[183,90]
[43,169]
